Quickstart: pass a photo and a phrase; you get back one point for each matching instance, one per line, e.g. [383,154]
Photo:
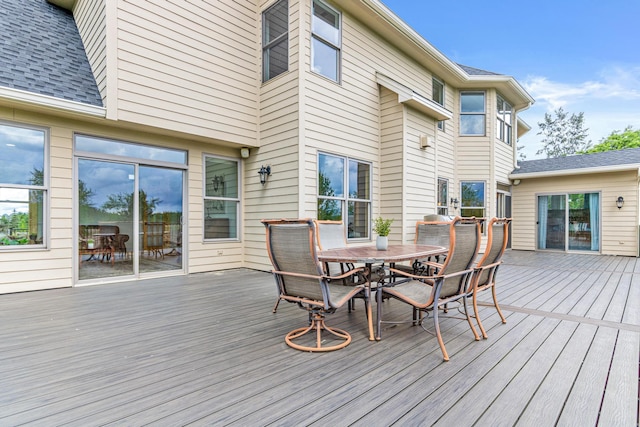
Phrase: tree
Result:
[617,140]
[563,135]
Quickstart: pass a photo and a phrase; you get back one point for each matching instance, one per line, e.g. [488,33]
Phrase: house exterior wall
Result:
[619,232]
[53,267]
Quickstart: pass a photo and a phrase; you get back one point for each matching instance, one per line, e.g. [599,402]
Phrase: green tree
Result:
[122,204]
[617,140]
[563,134]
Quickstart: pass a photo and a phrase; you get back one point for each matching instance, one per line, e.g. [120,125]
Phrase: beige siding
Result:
[189,67]
[619,234]
[53,267]
[90,19]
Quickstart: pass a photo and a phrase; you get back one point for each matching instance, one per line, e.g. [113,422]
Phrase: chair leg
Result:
[477,315]
[275,307]
[445,356]
[466,313]
[495,302]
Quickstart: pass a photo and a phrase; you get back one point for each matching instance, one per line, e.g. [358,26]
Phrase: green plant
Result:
[382,227]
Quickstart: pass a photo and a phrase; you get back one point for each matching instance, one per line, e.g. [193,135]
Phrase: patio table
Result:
[369,255]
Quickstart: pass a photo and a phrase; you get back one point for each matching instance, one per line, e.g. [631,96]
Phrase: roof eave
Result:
[16,97]
[581,171]
[65,4]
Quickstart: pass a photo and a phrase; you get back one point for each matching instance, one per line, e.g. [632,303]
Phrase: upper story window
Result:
[344,193]
[24,185]
[326,40]
[503,121]
[438,96]
[472,113]
[275,40]
[221,198]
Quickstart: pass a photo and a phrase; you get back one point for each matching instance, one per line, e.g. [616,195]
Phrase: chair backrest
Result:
[464,244]
[497,238]
[291,244]
[330,234]
[433,233]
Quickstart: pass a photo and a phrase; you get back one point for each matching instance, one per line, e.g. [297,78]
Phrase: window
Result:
[221,198]
[335,174]
[503,122]
[275,40]
[473,202]
[438,96]
[326,41]
[23,186]
[472,113]
[443,196]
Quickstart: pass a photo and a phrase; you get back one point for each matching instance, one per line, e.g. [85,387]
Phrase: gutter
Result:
[582,171]
[31,99]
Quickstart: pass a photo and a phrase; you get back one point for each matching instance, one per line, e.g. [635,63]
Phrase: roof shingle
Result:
[628,156]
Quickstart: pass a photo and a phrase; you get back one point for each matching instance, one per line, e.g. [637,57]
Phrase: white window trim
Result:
[328,43]
[483,113]
[238,199]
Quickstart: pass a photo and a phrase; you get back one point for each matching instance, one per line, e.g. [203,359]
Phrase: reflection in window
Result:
[23,186]
[221,198]
[472,113]
[326,41]
[275,40]
[443,196]
[332,200]
[132,150]
[473,201]
[438,96]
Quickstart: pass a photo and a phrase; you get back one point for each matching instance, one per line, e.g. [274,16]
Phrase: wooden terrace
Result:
[206,349]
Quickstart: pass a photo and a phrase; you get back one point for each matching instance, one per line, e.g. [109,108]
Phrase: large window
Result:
[503,121]
[221,198]
[473,200]
[344,185]
[438,96]
[443,196]
[275,40]
[23,186]
[326,40]
[472,113]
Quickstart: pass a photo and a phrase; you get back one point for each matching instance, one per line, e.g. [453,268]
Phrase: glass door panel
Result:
[160,219]
[584,221]
[105,219]
[551,222]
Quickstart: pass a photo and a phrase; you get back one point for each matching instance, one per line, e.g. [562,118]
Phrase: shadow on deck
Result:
[206,349]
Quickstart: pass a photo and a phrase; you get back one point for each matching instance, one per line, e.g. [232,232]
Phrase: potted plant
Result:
[382,227]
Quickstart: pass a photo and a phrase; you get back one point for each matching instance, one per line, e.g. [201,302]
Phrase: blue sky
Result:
[579,55]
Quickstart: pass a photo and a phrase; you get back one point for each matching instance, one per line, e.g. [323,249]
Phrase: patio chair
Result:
[300,277]
[430,293]
[435,233]
[487,267]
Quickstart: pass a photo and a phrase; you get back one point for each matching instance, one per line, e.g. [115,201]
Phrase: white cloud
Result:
[609,103]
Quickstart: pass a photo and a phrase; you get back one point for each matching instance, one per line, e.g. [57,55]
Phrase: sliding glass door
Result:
[569,221]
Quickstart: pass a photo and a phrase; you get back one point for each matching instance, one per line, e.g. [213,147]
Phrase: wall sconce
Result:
[516,182]
[455,203]
[244,152]
[264,173]
[620,202]
[218,182]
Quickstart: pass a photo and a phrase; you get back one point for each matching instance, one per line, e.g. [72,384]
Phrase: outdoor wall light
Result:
[620,202]
[455,202]
[264,173]
[244,152]
[218,181]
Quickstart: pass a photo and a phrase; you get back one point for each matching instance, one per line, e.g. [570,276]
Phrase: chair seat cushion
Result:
[415,292]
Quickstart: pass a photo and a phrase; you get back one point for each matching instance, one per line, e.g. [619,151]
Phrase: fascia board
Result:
[26,98]
[582,171]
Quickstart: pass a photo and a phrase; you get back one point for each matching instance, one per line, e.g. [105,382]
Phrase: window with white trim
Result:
[472,113]
[275,40]
[24,186]
[503,120]
[221,198]
[344,193]
[443,196]
[473,199]
[326,40]
[438,96]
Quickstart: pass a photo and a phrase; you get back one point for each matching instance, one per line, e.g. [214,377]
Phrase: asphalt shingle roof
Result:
[41,52]
[629,156]
[477,71]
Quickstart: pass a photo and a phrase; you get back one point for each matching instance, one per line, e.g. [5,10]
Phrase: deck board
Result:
[205,349]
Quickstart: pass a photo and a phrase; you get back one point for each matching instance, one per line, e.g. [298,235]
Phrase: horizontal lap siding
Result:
[619,226]
[189,68]
[392,128]
[90,20]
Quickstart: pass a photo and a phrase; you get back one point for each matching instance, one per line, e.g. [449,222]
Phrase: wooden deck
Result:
[206,349]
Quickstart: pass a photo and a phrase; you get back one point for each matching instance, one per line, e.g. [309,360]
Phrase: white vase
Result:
[382,242]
